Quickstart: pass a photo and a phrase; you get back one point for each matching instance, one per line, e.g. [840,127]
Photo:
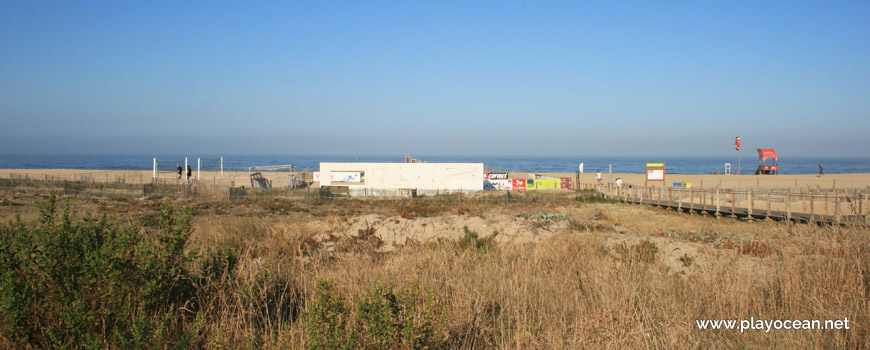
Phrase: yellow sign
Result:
[655,165]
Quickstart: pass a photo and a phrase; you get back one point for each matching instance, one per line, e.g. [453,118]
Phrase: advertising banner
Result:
[495,176]
[547,184]
[497,185]
[518,184]
[345,176]
[566,183]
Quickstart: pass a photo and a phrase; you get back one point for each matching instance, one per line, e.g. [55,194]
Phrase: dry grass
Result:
[611,286]
[624,277]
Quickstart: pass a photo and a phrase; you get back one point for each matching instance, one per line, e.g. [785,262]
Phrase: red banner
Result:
[518,184]
[567,183]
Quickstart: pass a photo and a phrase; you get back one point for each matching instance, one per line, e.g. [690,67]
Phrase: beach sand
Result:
[797,182]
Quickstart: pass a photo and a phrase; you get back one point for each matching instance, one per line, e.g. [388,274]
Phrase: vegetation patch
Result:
[384,318]
[644,252]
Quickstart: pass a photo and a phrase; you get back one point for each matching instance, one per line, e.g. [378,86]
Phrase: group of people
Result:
[179,170]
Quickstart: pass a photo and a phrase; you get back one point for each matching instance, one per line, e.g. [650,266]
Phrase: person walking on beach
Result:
[189,171]
[598,176]
[821,171]
[178,170]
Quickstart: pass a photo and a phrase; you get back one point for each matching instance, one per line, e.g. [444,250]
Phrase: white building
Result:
[402,178]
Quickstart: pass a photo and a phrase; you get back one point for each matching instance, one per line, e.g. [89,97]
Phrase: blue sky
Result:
[481,78]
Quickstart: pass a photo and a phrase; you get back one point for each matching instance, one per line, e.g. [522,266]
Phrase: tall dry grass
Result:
[577,289]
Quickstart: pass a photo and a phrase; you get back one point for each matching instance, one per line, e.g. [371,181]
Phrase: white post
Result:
[198,167]
[222,165]
[155,169]
[184,172]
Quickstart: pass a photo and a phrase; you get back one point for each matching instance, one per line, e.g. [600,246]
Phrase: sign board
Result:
[345,176]
[497,184]
[655,171]
[495,176]
[737,143]
[518,184]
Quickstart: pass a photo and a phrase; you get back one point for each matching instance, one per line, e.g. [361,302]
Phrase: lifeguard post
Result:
[768,164]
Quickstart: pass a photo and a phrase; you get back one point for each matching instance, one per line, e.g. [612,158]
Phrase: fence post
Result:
[703,201]
[680,199]
[788,205]
[836,207]
[812,206]
[733,203]
[867,217]
[691,201]
[826,206]
[717,204]
[768,204]
[751,204]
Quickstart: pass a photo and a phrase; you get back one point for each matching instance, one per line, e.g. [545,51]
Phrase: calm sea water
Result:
[675,165]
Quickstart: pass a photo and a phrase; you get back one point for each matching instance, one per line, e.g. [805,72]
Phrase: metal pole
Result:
[155,168]
[610,182]
[222,165]
[198,167]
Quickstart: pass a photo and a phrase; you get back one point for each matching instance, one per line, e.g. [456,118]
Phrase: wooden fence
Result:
[834,206]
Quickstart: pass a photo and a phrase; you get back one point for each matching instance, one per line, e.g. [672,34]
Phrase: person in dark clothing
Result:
[821,171]
[189,171]
[178,170]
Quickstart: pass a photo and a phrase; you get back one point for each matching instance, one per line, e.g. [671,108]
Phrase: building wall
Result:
[421,176]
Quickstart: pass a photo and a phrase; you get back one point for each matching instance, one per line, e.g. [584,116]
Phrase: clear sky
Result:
[435,77]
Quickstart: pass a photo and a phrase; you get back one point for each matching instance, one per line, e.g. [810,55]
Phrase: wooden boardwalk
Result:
[695,202]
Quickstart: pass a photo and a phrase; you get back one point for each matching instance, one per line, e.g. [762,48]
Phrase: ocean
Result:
[621,164]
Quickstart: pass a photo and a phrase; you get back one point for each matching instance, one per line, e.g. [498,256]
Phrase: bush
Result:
[471,240]
[384,319]
[403,320]
[94,283]
[327,320]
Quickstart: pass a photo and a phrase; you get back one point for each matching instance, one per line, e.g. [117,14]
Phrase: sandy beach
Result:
[828,181]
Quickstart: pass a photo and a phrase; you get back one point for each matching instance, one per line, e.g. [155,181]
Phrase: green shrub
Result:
[390,320]
[384,319]
[471,240]
[327,320]
[94,283]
